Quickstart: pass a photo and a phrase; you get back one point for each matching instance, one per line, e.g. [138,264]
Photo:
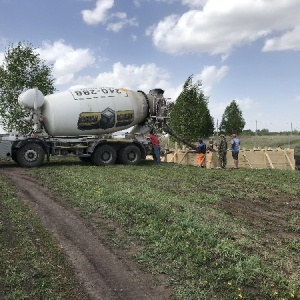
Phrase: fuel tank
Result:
[93,111]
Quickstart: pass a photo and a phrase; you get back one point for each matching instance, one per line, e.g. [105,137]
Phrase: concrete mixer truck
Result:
[80,122]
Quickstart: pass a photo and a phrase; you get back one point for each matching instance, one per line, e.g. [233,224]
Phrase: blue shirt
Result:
[235,144]
[202,148]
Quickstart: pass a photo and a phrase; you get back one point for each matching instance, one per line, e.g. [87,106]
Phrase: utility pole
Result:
[255,127]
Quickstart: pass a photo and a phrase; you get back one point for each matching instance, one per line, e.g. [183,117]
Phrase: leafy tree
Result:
[22,69]
[189,115]
[232,119]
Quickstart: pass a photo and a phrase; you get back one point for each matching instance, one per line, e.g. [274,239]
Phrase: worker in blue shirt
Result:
[235,148]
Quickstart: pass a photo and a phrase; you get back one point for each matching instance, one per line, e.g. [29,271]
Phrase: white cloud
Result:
[117,26]
[194,3]
[144,77]
[288,41]
[115,21]
[99,13]
[210,76]
[220,26]
[246,104]
[66,60]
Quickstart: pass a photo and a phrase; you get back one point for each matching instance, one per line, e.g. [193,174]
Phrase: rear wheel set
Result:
[106,155]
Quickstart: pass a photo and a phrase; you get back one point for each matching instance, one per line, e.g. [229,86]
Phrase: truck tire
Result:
[30,155]
[130,155]
[104,155]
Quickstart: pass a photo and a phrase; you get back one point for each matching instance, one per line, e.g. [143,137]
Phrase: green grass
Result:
[32,265]
[176,213]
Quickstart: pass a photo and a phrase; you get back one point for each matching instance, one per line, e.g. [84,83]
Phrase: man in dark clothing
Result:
[222,151]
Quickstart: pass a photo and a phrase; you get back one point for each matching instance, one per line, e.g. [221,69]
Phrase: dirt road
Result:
[105,273]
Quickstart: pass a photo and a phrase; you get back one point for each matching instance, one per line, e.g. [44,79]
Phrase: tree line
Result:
[23,69]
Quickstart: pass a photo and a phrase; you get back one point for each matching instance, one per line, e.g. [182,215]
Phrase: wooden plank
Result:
[245,156]
[288,159]
[175,154]
[269,160]
[208,160]
[183,157]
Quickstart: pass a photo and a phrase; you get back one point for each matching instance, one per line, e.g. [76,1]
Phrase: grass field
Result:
[215,234]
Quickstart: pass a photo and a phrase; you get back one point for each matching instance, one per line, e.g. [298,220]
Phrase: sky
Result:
[242,50]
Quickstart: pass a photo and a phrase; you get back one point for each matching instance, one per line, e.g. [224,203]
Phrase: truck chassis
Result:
[31,151]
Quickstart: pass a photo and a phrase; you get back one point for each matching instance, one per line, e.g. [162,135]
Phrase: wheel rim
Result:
[30,155]
[131,156]
[106,156]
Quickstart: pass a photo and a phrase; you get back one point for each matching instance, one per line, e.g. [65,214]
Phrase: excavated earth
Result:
[105,273]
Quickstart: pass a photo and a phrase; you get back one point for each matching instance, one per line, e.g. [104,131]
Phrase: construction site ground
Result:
[108,273]
[105,273]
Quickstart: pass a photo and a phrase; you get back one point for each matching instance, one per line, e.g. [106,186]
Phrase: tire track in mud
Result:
[104,274]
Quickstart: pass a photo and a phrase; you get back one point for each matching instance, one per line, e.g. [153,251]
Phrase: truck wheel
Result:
[130,155]
[104,155]
[30,155]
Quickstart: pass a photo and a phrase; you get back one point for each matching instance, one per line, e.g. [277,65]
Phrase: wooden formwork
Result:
[257,158]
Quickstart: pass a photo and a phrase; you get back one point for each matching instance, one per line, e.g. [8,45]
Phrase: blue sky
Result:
[243,50]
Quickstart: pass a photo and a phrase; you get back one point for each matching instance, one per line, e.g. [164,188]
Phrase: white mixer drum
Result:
[93,111]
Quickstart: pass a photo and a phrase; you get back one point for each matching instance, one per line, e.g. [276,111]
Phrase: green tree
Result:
[232,119]
[263,131]
[22,69]
[189,115]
